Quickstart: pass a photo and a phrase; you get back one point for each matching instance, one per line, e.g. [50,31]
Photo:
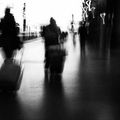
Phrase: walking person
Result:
[82,36]
[9,30]
[51,34]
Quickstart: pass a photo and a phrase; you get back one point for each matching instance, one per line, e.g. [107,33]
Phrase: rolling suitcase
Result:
[10,75]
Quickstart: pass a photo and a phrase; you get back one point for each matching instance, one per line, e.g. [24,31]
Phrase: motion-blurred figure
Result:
[10,31]
[82,35]
[51,34]
[63,37]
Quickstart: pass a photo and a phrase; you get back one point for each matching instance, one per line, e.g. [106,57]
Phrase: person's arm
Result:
[0,25]
[1,21]
[13,19]
[59,35]
[79,30]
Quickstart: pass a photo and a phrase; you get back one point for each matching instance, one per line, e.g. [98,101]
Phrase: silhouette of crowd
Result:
[53,39]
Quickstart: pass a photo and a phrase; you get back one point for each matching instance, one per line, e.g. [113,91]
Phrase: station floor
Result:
[88,89]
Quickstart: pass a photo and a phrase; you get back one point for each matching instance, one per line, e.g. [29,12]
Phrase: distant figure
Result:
[63,36]
[72,24]
[72,27]
[10,31]
[82,35]
[51,34]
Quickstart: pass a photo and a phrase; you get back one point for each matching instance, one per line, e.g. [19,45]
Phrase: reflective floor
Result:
[87,90]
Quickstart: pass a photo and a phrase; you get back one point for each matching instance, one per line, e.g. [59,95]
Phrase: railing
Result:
[28,36]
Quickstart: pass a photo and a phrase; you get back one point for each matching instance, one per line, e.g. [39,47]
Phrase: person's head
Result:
[7,10]
[52,21]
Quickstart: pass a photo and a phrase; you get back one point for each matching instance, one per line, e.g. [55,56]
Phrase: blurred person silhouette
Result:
[82,36]
[51,34]
[63,37]
[9,34]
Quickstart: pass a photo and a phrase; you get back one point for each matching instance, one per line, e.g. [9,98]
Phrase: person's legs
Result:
[8,52]
[46,58]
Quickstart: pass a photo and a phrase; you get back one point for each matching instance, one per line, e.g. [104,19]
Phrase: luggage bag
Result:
[10,75]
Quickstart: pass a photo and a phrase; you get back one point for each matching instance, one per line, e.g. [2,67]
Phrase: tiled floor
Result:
[87,90]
